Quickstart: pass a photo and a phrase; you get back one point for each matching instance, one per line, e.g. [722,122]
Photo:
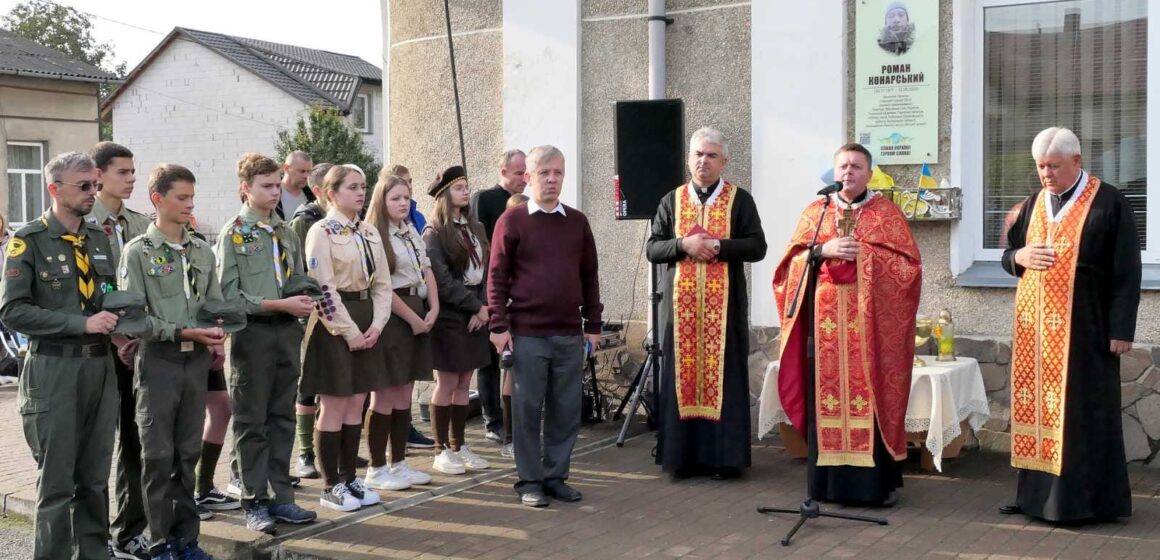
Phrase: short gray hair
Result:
[298,155]
[543,153]
[711,135]
[506,159]
[1055,141]
[68,161]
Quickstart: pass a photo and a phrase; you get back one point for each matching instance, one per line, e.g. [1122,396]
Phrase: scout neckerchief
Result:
[364,249]
[1042,337]
[403,232]
[84,268]
[189,280]
[281,262]
[701,306]
[469,242]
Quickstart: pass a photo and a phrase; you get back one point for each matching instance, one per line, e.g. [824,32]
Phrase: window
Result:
[27,197]
[1081,64]
[360,113]
[1019,66]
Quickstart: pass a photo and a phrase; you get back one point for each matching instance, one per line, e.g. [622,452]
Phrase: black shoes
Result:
[1010,509]
[534,498]
[562,492]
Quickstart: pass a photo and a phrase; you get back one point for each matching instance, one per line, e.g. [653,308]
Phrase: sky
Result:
[134,27]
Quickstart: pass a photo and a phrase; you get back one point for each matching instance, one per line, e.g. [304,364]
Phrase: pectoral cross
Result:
[846,222]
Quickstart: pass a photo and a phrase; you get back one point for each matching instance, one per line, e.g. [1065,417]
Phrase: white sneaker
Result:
[471,460]
[447,462]
[384,478]
[366,496]
[508,451]
[404,471]
[339,498]
[234,488]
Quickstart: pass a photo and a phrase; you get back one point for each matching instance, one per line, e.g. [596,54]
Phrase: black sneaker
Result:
[135,549]
[258,519]
[306,467]
[493,436]
[295,482]
[291,513]
[416,440]
[203,513]
[214,500]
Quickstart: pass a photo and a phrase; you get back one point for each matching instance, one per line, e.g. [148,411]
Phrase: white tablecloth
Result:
[942,396]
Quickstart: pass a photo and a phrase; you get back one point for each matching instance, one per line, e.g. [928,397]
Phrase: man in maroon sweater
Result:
[544,299]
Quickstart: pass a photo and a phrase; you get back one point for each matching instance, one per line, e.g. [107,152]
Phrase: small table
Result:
[946,398]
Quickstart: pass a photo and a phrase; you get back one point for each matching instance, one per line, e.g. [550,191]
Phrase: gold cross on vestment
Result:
[830,402]
[1061,245]
[860,403]
[1054,321]
[828,325]
[1052,401]
[853,326]
[1025,395]
[1026,318]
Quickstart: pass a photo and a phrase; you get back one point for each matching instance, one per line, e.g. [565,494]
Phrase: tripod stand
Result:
[649,372]
[810,509]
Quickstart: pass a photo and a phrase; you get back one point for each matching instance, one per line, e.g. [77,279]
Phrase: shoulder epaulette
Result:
[33,226]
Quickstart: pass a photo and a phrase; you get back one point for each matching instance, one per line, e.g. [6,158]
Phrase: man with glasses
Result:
[57,270]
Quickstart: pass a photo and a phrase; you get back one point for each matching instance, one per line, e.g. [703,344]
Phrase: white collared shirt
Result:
[533,208]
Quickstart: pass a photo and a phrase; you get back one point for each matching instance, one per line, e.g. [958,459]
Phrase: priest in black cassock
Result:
[1075,250]
[704,233]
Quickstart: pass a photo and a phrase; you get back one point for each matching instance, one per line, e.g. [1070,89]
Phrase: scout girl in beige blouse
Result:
[343,359]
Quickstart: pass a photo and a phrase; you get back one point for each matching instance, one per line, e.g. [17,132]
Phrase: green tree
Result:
[69,31]
[325,134]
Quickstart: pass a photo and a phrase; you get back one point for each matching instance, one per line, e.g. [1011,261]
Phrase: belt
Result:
[274,319]
[411,291]
[355,296]
[44,348]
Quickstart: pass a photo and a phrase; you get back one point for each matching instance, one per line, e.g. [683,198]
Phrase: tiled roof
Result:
[313,76]
[21,56]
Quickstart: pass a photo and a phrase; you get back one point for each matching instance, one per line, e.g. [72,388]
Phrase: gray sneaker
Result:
[291,513]
[135,549]
[258,519]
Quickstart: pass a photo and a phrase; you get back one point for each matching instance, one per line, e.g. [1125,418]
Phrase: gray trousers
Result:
[548,373]
[129,518]
[171,387]
[69,411]
[263,385]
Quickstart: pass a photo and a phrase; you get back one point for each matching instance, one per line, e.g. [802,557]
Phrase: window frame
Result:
[971,263]
[24,173]
[366,128]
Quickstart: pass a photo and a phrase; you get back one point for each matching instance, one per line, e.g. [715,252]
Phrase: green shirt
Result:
[176,280]
[39,296]
[245,252]
[121,227]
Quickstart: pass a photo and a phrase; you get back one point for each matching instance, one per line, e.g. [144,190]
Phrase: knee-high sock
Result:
[379,429]
[327,450]
[206,465]
[441,418]
[458,425]
[304,426]
[349,455]
[507,418]
[400,429]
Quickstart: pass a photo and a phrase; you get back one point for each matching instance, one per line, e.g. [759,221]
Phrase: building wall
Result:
[194,107]
[374,141]
[60,114]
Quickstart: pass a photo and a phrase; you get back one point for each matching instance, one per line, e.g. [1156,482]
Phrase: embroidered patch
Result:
[312,263]
[13,272]
[16,247]
[123,272]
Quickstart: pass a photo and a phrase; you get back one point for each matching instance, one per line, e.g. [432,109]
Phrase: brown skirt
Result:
[408,355]
[330,368]
[453,348]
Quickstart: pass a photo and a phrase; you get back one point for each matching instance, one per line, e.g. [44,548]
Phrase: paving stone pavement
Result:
[631,510]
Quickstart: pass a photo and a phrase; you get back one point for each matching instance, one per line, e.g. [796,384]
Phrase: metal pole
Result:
[656,49]
[455,85]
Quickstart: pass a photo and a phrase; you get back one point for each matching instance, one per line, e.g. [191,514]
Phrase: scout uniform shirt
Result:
[348,257]
[54,279]
[176,279]
[121,227]
[256,256]
[411,259]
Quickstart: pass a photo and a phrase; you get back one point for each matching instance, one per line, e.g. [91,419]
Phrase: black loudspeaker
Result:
[650,155]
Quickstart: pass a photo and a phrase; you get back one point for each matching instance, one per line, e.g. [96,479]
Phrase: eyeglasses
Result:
[84,187]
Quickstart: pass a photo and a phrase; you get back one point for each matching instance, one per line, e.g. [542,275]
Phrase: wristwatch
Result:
[717,245]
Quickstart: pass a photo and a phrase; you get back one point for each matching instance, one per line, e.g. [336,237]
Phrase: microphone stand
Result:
[810,509]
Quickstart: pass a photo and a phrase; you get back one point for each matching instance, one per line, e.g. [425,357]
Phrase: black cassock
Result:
[697,446]
[1093,483]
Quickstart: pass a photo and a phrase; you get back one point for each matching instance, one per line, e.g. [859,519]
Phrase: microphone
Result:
[830,189]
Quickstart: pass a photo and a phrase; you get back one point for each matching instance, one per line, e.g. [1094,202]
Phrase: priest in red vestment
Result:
[869,277]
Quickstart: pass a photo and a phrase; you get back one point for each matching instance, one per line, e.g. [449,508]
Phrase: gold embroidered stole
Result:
[701,309]
[1042,337]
